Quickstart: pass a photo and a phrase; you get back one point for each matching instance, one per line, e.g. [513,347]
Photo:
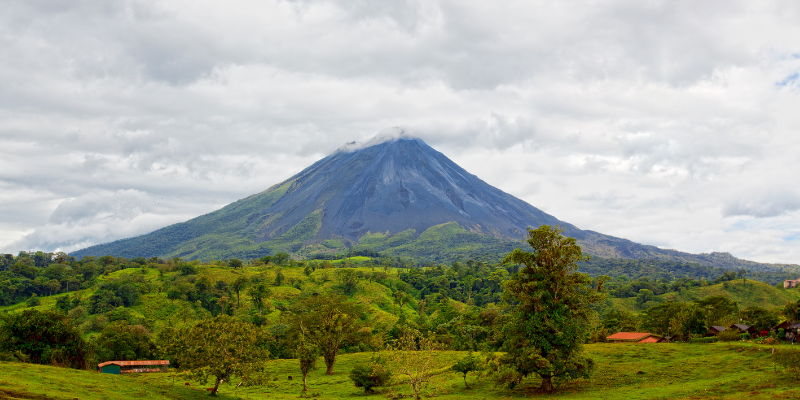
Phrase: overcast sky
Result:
[671,123]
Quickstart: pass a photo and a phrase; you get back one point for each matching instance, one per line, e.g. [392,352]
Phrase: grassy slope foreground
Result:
[629,371]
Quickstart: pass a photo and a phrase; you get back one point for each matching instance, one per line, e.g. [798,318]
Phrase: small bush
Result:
[728,336]
[372,375]
[745,336]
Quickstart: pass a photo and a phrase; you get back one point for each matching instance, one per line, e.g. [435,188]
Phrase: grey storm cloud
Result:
[637,119]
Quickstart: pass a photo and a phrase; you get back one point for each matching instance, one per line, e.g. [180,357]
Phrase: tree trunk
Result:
[416,388]
[216,387]
[465,381]
[329,365]
[547,384]
[305,388]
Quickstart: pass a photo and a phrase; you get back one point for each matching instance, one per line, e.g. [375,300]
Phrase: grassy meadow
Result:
[624,371]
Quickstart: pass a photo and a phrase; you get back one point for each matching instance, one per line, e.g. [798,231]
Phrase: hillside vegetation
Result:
[132,309]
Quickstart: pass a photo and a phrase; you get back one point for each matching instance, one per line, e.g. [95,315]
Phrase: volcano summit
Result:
[397,195]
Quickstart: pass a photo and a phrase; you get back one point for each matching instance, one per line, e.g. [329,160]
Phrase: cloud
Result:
[763,203]
[638,119]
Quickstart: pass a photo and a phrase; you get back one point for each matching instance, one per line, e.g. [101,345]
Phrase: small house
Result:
[129,367]
[715,330]
[787,326]
[791,283]
[742,328]
[633,337]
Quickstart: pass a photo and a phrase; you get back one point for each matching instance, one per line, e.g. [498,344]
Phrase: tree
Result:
[719,310]
[466,365]
[258,293]
[235,263]
[644,296]
[307,355]
[550,320]
[45,337]
[329,323]
[121,341]
[759,318]
[663,318]
[280,258]
[219,347]
[416,357]
[371,375]
[741,274]
[238,285]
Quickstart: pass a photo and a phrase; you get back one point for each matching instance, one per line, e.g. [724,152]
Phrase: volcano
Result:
[395,195]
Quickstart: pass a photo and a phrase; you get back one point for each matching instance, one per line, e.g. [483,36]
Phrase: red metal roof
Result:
[651,339]
[134,363]
[633,336]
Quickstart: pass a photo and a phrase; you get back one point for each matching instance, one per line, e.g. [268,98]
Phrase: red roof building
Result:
[128,367]
[633,337]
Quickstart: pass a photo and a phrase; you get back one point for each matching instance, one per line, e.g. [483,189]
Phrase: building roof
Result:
[719,328]
[741,327]
[633,336]
[134,363]
[650,339]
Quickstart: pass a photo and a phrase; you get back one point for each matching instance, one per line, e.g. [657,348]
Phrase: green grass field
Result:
[625,371]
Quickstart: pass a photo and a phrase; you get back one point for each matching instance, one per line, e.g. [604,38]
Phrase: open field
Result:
[625,371]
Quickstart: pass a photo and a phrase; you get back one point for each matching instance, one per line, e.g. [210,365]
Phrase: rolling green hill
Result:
[629,371]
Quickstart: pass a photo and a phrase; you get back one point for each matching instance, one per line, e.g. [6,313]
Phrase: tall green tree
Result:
[238,285]
[219,348]
[329,323]
[550,320]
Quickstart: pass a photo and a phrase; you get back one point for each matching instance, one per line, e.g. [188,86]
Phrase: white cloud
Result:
[653,121]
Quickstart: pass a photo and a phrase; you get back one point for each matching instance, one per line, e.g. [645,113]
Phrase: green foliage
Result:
[550,321]
[415,357]
[307,355]
[33,301]
[372,375]
[44,337]
[466,365]
[234,263]
[220,347]
[329,323]
[120,341]
[759,318]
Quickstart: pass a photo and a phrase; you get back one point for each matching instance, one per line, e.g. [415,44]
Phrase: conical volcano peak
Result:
[393,194]
[392,134]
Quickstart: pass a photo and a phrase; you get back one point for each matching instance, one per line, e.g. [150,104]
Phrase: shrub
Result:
[745,336]
[371,375]
[728,336]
